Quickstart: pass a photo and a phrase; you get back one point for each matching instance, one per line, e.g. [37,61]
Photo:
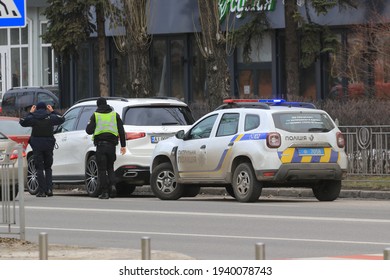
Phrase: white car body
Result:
[305,158]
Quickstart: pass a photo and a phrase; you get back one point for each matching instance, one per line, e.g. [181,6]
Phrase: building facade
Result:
[178,68]
[26,60]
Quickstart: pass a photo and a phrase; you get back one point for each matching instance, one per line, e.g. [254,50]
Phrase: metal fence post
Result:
[22,224]
[145,248]
[260,251]
[43,246]
[386,254]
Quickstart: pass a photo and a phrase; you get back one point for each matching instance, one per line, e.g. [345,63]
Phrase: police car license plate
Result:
[311,151]
[156,139]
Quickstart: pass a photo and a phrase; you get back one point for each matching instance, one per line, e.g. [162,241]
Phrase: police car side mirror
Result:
[180,134]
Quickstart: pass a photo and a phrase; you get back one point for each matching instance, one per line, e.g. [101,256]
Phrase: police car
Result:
[247,145]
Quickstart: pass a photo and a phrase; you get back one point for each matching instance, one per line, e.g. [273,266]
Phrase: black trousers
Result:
[105,158]
[43,160]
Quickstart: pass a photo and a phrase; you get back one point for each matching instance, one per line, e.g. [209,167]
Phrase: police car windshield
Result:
[303,122]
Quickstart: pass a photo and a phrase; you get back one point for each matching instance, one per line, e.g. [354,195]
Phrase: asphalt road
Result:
[214,227]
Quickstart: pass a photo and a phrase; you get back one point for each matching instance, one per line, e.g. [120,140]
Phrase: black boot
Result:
[104,195]
[112,191]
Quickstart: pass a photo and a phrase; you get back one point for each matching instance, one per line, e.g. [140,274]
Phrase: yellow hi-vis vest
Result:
[106,123]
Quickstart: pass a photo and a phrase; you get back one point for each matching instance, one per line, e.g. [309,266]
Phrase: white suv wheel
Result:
[91,178]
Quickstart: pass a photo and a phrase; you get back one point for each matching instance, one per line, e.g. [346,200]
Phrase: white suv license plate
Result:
[311,151]
[156,139]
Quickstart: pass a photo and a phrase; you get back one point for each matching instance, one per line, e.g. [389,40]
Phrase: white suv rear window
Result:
[303,122]
[157,116]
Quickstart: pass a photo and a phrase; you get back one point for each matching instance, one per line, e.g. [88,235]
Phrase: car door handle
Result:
[203,147]
[230,144]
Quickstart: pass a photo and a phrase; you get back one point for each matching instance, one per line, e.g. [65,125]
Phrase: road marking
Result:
[224,215]
[208,235]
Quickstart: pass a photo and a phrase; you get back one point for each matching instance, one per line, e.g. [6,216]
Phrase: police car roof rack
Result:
[97,97]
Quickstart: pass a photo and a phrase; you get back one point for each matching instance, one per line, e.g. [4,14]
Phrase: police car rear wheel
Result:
[327,190]
[163,183]
[245,185]
[32,177]
[91,179]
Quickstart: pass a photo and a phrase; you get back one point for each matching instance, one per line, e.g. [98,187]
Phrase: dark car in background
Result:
[19,100]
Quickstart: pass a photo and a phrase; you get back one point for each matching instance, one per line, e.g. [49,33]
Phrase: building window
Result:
[19,56]
[255,69]
[49,61]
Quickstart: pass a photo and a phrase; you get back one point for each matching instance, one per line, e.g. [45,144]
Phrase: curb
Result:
[286,192]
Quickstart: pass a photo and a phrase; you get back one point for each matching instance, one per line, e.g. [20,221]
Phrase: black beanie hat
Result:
[41,105]
[101,101]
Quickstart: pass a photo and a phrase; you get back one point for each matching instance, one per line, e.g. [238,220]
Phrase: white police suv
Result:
[246,145]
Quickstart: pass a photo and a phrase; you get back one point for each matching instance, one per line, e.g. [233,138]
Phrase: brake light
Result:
[134,135]
[14,155]
[340,140]
[273,140]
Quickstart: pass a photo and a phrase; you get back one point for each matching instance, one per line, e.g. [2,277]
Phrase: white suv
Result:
[146,121]
[246,145]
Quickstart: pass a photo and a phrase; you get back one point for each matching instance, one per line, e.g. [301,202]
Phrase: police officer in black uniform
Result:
[106,126]
[42,118]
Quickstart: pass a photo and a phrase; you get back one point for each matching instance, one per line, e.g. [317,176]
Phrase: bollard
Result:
[260,251]
[386,254]
[145,247]
[43,248]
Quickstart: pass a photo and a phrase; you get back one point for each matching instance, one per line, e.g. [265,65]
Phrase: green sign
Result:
[239,7]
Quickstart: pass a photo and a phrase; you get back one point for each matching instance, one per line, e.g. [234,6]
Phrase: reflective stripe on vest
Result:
[106,123]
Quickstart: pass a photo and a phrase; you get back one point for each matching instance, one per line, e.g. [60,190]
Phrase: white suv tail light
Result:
[134,135]
[340,140]
[273,140]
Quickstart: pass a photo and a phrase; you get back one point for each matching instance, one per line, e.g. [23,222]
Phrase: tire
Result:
[245,185]
[124,189]
[32,177]
[91,178]
[191,190]
[230,191]
[327,190]
[163,183]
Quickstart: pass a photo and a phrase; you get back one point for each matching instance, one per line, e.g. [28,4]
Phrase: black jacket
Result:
[42,123]
[109,137]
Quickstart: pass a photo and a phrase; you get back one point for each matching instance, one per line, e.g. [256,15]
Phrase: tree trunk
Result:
[103,80]
[213,49]
[140,72]
[292,50]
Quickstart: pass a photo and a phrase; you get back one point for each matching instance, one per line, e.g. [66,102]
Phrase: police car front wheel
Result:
[163,183]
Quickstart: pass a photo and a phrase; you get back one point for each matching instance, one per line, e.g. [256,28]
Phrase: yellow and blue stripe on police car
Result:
[291,155]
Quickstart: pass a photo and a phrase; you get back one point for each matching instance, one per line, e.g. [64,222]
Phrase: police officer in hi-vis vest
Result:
[106,125]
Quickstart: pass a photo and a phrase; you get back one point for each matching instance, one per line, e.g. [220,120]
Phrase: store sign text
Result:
[240,6]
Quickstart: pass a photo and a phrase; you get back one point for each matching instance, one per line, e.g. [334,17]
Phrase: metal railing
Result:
[368,149]
[11,191]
